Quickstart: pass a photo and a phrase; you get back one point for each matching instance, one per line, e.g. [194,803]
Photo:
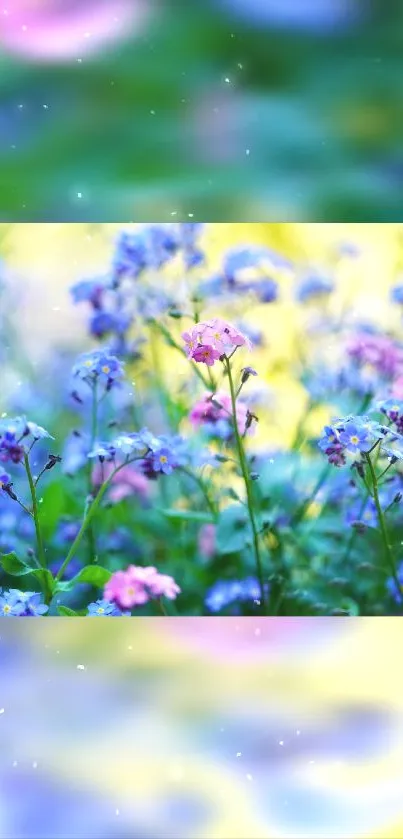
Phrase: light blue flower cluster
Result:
[21,604]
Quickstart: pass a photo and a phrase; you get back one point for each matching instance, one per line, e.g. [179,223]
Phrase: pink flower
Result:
[206,540]
[191,340]
[163,585]
[137,585]
[129,481]
[206,355]
[397,389]
[55,31]
[213,408]
[124,590]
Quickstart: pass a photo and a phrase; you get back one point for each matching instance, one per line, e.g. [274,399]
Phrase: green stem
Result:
[202,485]
[93,437]
[89,516]
[247,482]
[39,540]
[382,524]
[41,558]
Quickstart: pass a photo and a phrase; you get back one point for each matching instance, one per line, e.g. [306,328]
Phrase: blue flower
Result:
[252,257]
[225,592]
[89,291]
[4,480]
[11,605]
[330,438]
[34,606]
[98,366]
[103,451]
[266,290]
[362,514]
[313,286]
[75,454]
[130,258]
[355,438]
[104,609]
[396,294]
[164,460]
[37,432]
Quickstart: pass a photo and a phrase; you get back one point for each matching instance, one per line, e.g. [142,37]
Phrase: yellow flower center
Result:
[89,362]
[100,610]
[163,459]
[6,609]
[106,369]
[131,590]
[354,439]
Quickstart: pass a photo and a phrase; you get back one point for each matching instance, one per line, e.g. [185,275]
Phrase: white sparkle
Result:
[80,667]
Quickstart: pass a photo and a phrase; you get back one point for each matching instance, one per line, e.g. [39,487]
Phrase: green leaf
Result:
[187,515]
[66,612]
[18,568]
[93,575]
[14,566]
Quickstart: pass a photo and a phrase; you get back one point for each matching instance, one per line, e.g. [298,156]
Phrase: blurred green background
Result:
[152,110]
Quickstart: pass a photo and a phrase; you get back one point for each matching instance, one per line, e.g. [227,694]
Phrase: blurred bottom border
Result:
[213,728]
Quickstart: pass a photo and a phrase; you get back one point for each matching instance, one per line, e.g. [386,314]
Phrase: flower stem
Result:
[41,558]
[93,437]
[35,513]
[382,524]
[88,518]
[247,481]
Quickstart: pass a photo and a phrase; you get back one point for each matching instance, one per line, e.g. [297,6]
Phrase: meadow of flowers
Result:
[143,477]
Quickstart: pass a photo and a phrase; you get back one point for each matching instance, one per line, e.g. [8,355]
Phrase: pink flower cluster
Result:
[211,339]
[379,351]
[214,408]
[138,585]
[129,481]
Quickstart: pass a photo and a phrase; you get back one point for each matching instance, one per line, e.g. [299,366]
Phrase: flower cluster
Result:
[225,592]
[136,586]
[210,340]
[98,367]
[393,410]
[17,436]
[350,436]
[22,604]
[380,352]
[214,413]
[105,609]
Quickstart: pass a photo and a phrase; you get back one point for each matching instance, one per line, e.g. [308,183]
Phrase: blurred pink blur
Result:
[65,30]
[127,482]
